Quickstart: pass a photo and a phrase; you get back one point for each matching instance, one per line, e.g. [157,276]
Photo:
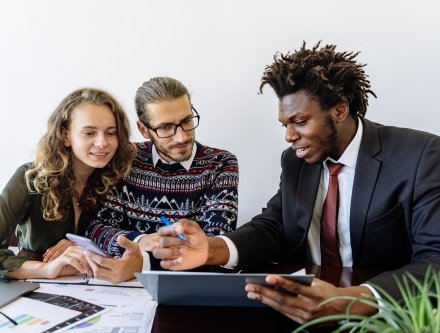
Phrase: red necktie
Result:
[329,245]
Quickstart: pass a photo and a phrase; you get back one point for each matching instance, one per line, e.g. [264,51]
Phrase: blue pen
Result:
[168,223]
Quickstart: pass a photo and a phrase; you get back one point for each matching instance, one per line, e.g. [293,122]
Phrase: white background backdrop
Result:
[219,50]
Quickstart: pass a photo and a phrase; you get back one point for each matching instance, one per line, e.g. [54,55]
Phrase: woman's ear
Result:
[65,137]
[143,129]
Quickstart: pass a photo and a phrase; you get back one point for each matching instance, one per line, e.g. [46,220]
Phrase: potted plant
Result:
[417,312]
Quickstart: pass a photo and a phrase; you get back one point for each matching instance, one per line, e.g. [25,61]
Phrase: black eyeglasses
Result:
[167,131]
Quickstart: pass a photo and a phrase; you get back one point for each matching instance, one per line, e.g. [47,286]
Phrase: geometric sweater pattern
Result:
[206,193]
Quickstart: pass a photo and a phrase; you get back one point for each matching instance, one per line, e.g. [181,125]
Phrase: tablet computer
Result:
[205,289]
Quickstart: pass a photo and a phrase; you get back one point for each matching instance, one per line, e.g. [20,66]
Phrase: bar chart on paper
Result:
[31,317]
[27,322]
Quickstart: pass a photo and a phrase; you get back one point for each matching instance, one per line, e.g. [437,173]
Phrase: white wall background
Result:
[219,51]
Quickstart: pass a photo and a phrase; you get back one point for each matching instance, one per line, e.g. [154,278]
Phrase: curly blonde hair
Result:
[52,175]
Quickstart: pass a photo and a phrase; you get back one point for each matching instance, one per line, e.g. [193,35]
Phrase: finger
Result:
[172,241]
[258,289]
[103,273]
[77,264]
[179,227]
[77,257]
[174,264]
[99,260]
[98,271]
[54,255]
[167,253]
[167,231]
[276,294]
[55,251]
[48,254]
[127,244]
[111,272]
[86,265]
[279,301]
[290,285]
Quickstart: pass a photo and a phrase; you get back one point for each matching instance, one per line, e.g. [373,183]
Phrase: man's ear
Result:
[65,137]
[143,129]
[341,111]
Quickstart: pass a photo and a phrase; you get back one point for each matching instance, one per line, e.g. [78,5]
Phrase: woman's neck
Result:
[82,175]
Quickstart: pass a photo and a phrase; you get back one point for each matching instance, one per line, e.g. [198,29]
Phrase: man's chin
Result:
[313,160]
[182,158]
[179,156]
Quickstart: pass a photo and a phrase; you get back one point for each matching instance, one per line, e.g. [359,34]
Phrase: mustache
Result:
[180,144]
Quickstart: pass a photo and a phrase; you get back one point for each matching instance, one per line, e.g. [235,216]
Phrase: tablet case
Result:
[204,289]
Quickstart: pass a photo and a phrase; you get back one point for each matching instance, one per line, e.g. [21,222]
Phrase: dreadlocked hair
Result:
[330,76]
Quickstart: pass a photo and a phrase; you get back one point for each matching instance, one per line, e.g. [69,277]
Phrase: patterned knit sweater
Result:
[206,193]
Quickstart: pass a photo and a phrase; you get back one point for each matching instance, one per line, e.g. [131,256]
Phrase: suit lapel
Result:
[366,173]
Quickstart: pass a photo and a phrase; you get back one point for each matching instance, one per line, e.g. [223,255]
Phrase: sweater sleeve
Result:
[221,208]
[110,222]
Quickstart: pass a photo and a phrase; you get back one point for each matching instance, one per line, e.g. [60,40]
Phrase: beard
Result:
[180,156]
[329,144]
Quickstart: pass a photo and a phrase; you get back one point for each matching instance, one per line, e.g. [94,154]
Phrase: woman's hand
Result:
[55,251]
[70,262]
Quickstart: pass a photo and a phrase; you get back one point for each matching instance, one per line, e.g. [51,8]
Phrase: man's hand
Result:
[178,254]
[303,304]
[149,242]
[117,269]
[57,250]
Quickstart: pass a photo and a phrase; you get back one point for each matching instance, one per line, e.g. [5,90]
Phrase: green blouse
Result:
[21,212]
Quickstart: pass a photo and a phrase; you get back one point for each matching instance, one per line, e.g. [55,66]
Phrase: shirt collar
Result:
[349,156]
[186,164]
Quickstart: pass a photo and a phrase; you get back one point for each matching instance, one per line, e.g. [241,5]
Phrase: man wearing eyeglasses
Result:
[173,176]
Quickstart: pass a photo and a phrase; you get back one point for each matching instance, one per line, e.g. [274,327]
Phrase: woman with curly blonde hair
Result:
[84,152]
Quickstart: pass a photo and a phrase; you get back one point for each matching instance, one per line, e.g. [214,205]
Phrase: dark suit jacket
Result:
[395,207]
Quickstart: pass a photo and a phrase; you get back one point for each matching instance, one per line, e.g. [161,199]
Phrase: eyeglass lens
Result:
[169,130]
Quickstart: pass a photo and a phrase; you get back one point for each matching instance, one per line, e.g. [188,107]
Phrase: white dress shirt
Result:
[345,180]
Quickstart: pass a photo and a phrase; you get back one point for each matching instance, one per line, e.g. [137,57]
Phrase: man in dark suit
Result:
[386,192]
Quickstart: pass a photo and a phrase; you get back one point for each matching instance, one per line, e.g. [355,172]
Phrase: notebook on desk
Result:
[82,278]
[205,289]
[10,290]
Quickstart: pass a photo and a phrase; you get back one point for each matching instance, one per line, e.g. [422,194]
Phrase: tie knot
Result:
[334,168]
